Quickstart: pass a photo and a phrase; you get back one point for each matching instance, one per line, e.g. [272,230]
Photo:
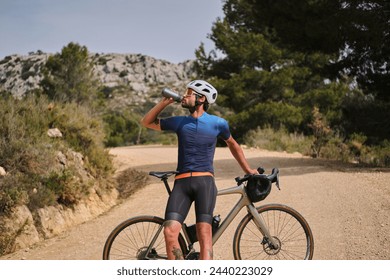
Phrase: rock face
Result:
[21,223]
[21,74]
[54,220]
[23,228]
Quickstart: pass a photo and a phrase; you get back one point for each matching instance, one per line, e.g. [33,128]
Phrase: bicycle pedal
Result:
[193,256]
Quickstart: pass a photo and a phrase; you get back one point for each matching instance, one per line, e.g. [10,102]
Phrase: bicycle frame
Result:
[241,203]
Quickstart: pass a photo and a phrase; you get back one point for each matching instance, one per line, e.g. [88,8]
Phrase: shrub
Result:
[378,155]
[122,129]
[278,140]
[29,156]
[335,149]
[321,131]
[354,150]
[129,181]
[83,131]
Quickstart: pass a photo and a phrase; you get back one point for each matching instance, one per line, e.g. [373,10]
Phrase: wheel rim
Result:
[287,231]
[132,242]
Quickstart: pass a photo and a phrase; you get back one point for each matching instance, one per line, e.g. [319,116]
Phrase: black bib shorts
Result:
[199,189]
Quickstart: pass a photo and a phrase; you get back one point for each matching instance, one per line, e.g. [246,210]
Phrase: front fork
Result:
[259,222]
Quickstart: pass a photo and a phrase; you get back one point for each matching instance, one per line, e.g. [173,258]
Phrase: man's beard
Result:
[185,105]
[189,107]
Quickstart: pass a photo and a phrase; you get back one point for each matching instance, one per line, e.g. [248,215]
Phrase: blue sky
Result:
[164,29]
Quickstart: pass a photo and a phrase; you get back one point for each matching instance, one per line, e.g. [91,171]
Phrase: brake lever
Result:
[243,179]
[277,181]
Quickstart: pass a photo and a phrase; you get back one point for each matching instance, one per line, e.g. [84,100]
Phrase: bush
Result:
[278,140]
[35,176]
[321,131]
[84,132]
[354,150]
[378,155]
[122,129]
[130,180]
[336,147]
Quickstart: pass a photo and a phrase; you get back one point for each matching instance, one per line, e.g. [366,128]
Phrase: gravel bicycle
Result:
[272,231]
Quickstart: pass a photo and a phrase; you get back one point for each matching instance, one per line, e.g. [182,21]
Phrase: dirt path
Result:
[347,209]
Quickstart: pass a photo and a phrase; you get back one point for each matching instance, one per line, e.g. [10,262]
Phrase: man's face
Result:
[189,99]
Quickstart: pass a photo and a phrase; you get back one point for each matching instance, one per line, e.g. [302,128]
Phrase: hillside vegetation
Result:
[32,159]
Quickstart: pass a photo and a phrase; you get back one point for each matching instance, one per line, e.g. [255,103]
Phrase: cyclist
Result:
[197,136]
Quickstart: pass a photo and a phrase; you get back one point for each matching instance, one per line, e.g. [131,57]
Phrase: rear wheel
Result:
[131,240]
[287,227]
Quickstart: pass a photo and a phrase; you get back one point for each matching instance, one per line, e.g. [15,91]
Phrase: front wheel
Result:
[288,228]
[132,240]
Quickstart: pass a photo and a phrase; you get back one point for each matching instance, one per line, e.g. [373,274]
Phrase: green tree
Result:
[263,81]
[280,59]
[365,29]
[68,76]
[122,128]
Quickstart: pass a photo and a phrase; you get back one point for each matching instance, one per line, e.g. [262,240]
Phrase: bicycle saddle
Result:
[162,174]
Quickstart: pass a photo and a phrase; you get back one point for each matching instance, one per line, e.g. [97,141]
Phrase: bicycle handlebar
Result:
[273,177]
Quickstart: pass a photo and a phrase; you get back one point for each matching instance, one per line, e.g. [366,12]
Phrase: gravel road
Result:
[347,208]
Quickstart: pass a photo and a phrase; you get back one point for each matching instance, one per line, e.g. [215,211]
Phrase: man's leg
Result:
[206,193]
[171,233]
[204,234]
[176,211]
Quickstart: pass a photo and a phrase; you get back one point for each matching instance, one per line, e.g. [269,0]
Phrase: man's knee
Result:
[171,229]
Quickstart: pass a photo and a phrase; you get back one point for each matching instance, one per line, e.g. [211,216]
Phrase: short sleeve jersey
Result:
[197,139]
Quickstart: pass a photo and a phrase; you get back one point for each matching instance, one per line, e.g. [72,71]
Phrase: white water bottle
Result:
[166,92]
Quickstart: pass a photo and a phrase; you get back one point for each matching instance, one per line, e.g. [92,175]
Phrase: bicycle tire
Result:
[130,240]
[286,226]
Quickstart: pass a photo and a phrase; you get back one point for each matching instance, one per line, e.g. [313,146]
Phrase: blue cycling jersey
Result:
[197,140]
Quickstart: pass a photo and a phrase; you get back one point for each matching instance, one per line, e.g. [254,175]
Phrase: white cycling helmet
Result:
[204,88]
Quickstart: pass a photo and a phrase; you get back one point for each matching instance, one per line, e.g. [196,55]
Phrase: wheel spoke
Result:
[131,240]
[287,228]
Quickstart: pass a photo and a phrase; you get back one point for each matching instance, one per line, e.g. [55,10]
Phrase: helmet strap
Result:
[197,104]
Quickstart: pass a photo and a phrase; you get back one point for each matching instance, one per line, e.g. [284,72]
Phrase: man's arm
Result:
[238,154]
[151,120]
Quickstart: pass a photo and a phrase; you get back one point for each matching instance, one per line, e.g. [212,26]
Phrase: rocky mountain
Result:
[139,74]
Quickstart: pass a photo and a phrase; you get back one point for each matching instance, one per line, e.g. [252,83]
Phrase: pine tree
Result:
[69,77]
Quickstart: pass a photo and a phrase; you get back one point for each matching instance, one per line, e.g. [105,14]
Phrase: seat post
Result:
[165,180]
